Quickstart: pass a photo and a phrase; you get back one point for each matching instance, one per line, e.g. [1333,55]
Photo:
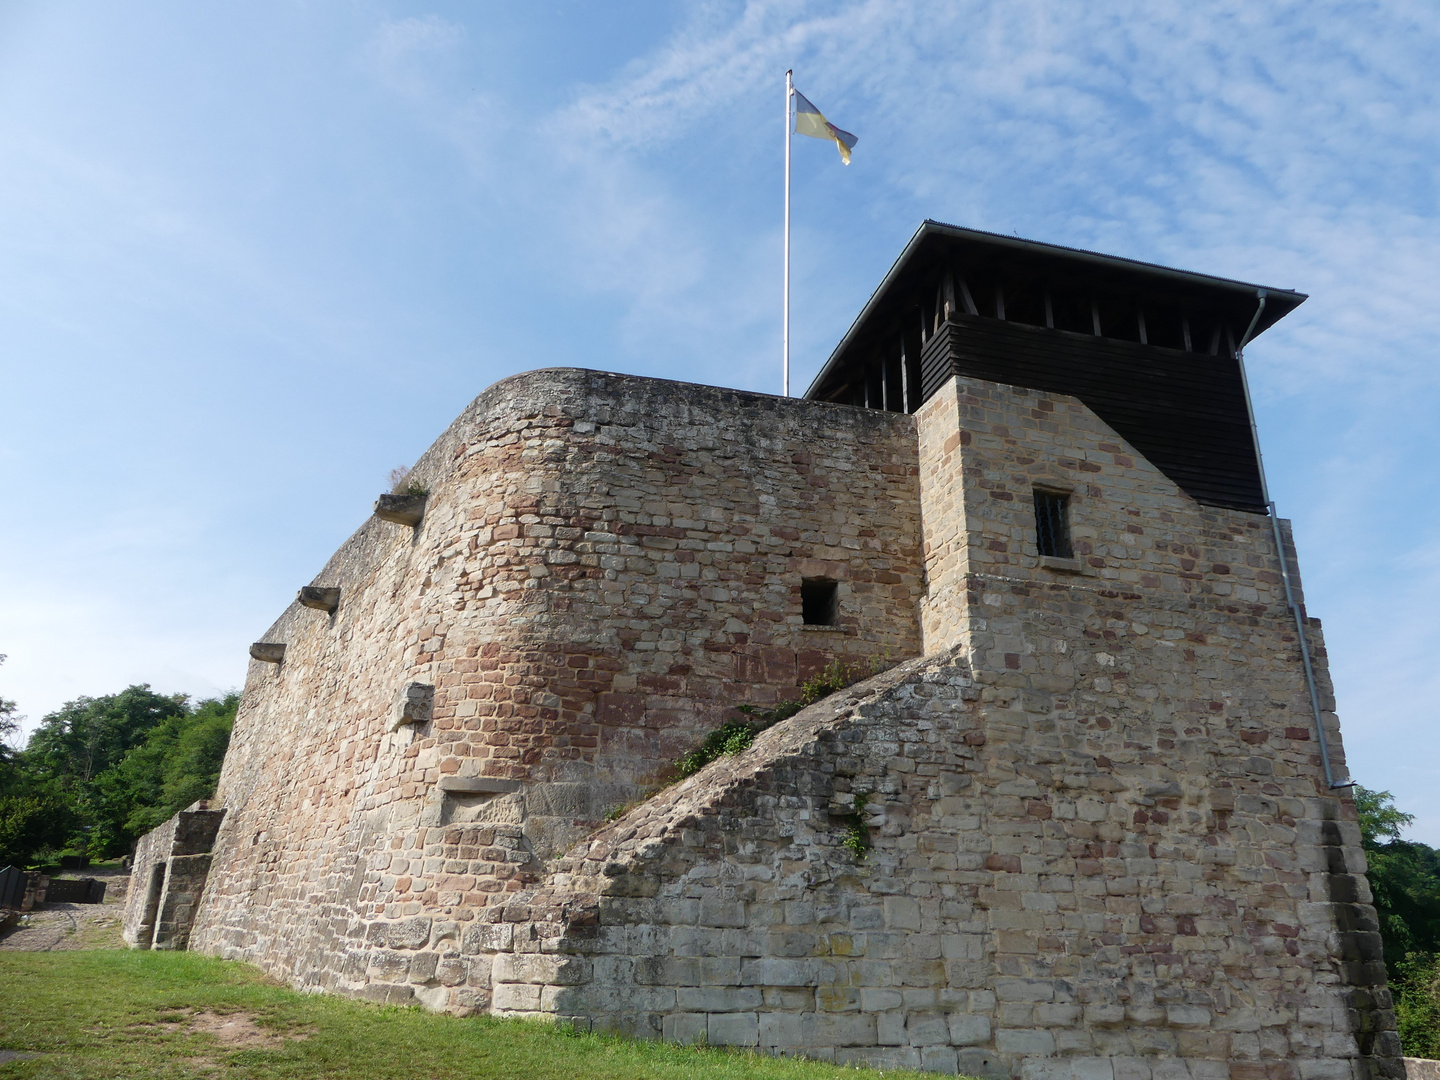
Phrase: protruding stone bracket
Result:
[321,598]
[268,652]
[414,705]
[401,509]
[477,785]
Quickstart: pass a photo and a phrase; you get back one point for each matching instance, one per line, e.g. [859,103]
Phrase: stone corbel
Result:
[321,598]
[413,706]
[401,509]
[268,652]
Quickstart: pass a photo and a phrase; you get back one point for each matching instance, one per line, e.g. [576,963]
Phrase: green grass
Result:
[123,1014]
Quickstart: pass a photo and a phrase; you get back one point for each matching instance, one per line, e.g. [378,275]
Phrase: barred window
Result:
[1052,524]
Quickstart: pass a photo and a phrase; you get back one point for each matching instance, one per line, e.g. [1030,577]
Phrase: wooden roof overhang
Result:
[1151,350]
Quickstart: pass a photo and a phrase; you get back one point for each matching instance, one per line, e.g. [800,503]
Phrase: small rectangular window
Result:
[819,601]
[1052,524]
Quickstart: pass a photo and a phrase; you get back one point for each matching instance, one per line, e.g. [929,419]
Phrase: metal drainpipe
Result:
[1295,611]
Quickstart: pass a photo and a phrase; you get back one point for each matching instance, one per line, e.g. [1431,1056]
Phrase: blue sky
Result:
[255,257]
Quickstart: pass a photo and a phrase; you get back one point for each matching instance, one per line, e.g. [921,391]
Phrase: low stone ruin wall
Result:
[168,877]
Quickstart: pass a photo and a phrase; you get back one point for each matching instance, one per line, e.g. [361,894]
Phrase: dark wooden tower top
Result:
[1151,350]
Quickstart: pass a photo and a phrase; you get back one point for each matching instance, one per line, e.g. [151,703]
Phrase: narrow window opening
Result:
[819,601]
[1052,524]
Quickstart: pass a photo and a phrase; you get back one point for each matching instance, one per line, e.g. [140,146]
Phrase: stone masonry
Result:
[1078,830]
[169,871]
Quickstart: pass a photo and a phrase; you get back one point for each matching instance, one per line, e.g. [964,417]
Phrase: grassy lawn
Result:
[167,1015]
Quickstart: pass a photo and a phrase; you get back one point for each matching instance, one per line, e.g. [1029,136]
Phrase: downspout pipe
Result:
[1295,611]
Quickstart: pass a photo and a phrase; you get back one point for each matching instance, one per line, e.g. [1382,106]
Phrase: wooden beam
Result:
[904,378]
[1185,329]
[1049,311]
[999,303]
[1095,315]
[1140,315]
[970,308]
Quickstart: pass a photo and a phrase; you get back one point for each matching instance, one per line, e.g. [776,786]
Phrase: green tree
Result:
[1405,880]
[33,816]
[89,735]
[9,728]
[178,763]
[1404,877]
[35,822]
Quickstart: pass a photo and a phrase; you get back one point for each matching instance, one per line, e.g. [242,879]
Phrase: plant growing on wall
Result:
[736,736]
[401,482]
[857,834]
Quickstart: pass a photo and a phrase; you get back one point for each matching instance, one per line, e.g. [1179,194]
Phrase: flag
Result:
[810,121]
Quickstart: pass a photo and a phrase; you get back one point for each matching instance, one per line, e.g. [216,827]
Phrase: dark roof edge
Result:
[1119,262]
[900,261]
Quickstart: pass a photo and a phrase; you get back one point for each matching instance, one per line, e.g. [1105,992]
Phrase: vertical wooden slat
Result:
[904,379]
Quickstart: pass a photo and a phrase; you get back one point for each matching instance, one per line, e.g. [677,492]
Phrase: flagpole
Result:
[785,337]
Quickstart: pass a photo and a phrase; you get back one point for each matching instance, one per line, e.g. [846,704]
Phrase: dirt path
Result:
[58,927]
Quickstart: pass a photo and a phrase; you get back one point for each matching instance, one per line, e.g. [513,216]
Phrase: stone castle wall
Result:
[1102,842]
[1080,831]
[606,566]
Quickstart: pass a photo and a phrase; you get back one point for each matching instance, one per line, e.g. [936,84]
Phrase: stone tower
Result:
[1090,821]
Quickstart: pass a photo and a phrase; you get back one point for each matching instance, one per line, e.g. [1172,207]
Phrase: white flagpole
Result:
[789,91]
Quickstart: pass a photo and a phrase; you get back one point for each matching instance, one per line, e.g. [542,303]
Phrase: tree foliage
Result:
[1405,880]
[99,772]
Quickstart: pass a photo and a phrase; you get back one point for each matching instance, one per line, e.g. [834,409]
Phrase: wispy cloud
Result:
[1293,145]
[363,193]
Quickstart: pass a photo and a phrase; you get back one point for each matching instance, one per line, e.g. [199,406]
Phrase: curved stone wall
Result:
[606,566]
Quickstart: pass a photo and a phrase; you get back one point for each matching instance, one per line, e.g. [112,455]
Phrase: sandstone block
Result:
[967,1029]
[778,972]
[902,913]
[685,1028]
[516,997]
[939,1059]
[838,1029]
[780,1030]
[734,1029]
[717,999]
[1024,1041]
[927,1030]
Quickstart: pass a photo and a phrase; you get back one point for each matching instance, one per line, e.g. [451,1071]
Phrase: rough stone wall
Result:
[984,448]
[168,877]
[1102,844]
[1039,900]
[1099,842]
[605,567]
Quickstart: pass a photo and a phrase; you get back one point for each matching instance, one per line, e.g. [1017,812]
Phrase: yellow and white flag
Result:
[810,121]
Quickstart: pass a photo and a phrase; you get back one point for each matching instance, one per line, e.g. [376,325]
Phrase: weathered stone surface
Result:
[401,509]
[415,705]
[1079,830]
[320,597]
[167,879]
